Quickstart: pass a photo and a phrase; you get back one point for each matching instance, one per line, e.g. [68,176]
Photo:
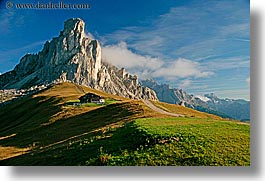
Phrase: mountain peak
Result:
[76,58]
[74,25]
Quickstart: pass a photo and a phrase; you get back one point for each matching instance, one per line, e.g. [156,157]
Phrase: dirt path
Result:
[152,106]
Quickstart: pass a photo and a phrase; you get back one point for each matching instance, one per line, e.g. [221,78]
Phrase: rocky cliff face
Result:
[76,58]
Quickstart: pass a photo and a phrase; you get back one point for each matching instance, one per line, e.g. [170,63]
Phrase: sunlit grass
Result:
[189,141]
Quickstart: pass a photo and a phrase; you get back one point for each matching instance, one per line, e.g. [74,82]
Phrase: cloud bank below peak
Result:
[148,67]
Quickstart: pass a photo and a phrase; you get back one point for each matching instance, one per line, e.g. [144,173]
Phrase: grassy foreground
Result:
[183,142]
[45,130]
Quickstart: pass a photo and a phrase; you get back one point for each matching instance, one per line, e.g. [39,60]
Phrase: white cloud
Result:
[148,67]
[182,68]
[121,56]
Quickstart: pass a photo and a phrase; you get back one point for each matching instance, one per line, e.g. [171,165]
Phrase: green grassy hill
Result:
[44,130]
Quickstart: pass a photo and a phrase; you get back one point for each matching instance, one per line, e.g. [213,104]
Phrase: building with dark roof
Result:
[92,98]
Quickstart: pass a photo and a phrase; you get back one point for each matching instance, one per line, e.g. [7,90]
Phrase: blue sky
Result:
[201,46]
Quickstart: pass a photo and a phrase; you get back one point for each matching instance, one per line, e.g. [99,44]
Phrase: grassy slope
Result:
[43,119]
[54,134]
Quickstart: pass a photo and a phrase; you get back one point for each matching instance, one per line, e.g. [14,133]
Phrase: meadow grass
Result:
[41,130]
[186,142]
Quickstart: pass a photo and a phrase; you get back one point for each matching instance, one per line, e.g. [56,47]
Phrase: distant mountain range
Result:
[228,108]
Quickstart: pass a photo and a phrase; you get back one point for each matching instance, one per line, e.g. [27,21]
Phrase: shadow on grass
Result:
[85,151]
[69,127]
[26,114]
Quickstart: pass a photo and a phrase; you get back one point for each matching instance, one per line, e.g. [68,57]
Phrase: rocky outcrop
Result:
[76,58]
[117,81]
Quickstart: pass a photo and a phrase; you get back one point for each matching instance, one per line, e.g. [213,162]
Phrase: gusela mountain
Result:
[75,58]
[227,108]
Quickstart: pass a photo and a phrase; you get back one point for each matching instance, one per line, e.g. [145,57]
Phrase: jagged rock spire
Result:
[74,24]
[76,58]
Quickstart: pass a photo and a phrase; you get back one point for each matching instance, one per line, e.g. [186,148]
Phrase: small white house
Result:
[102,101]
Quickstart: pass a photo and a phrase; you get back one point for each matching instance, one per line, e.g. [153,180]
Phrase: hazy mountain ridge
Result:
[236,108]
[75,58]
[227,108]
